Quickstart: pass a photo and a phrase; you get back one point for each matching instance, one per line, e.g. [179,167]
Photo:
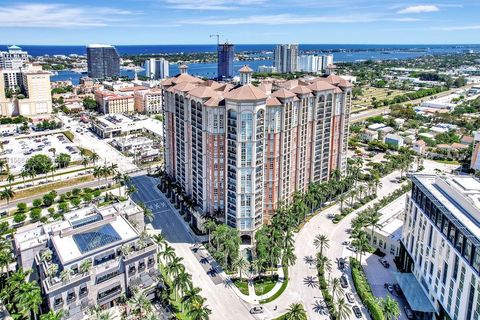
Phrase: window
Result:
[132,270]
[246,154]
[107,276]
[58,301]
[245,206]
[141,266]
[83,291]
[245,181]
[476,260]
[150,262]
[246,126]
[70,296]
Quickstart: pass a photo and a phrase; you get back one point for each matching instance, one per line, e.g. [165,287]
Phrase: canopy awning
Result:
[413,291]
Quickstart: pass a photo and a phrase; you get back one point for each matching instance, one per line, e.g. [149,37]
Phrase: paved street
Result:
[220,298]
[303,284]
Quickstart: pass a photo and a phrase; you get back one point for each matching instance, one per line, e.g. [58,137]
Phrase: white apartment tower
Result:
[240,149]
[440,251]
[14,58]
[285,58]
[156,68]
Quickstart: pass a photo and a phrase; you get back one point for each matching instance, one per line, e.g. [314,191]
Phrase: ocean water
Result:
[341,53]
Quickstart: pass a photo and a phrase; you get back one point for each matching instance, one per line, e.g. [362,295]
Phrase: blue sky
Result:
[240,21]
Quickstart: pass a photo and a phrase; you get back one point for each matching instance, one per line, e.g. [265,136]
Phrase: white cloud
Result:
[59,16]
[283,19]
[419,9]
[211,4]
[457,28]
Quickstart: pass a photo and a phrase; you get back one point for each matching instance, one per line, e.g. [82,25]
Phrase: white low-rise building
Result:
[387,236]
[440,251]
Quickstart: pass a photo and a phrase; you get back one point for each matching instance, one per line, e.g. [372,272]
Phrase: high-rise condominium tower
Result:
[238,150]
[285,58]
[157,68]
[14,58]
[225,61]
[103,61]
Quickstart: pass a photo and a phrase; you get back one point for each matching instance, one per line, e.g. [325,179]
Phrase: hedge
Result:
[364,291]
[325,293]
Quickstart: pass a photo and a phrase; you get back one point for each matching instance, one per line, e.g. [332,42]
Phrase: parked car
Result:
[408,312]
[357,312]
[350,297]
[397,289]
[384,262]
[256,310]
[346,243]
[352,248]
[344,281]
[390,287]
[341,264]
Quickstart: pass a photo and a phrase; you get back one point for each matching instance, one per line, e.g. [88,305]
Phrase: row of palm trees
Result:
[178,283]
[339,308]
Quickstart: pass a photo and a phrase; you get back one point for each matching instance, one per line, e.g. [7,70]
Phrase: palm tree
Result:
[148,214]
[372,222]
[66,274]
[241,264]
[321,241]
[342,309]
[46,255]
[295,312]
[98,173]
[198,311]
[94,157]
[10,179]
[160,240]
[100,314]
[7,194]
[192,295]
[209,225]
[336,288]
[53,150]
[131,189]
[52,315]
[24,174]
[390,308]
[168,254]
[85,265]
[3,164]
[139,304]
[29,299]
[289,256]
[175,267]
[182,283]
[85,163]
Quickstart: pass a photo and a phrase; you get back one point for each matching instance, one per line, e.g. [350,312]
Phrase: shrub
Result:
[19,217]
[364,291]
[63,206]
[87,197]
[37,202]
[75,202]
[97,193]
[22,207]
[48,199]
[4,226]
[51,211]
[35,213]
[43,219]
[76,192]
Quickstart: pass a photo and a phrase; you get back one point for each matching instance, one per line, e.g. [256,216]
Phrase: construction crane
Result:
[217,36]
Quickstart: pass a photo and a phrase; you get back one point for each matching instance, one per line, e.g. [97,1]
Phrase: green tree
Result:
[321,241]
[198,311]
[63,160]
[390,308]
[7,194]
[295,312]
[342,309]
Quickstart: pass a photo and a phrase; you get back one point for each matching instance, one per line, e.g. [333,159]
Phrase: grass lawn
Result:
[264,285]
[448,162]
[51,186]
[282,288]
[242,285]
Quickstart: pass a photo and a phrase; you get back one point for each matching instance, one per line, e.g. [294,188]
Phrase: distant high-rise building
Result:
[103,61]
[157,68]
[14,58]
[30,82]
[225,61]
[267,69]
[285,57]
[313,63]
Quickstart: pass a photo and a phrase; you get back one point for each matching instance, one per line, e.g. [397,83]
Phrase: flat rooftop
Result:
[391,218]
[460,195]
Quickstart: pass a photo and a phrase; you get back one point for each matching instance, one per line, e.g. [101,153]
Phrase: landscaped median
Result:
[364,290]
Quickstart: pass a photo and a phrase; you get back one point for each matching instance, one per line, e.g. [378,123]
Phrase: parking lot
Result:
[378,276]
[18,150]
